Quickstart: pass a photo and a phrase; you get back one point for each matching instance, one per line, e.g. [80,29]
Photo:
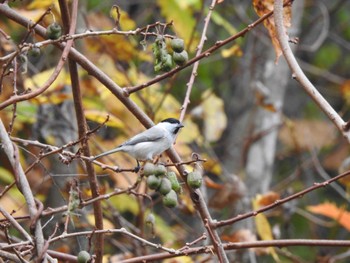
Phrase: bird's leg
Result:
[137,168]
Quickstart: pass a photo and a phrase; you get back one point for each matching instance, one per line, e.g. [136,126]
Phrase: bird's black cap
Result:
[171,120]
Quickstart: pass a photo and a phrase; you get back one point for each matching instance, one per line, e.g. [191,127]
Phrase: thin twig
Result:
[15,224]
[196,64]
[280,201]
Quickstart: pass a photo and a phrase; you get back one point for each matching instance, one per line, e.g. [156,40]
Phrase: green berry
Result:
[165,186]
[153,182]
[194,179]
[83,257]
[53,31]
[170,199]
[148,169]
[177,44]
[175,185]
[180,58]
[34,51]
[160,170]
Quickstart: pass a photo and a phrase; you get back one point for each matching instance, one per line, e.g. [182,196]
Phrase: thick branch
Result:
[82,126]
[11,151]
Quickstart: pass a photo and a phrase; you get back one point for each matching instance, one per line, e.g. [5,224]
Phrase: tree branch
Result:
[299,75]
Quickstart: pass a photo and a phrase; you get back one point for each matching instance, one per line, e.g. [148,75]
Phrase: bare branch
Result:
[299,75]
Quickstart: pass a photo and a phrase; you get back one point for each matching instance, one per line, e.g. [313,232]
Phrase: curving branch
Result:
[299,75]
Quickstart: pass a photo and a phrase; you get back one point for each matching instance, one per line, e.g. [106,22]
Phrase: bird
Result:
[149,143]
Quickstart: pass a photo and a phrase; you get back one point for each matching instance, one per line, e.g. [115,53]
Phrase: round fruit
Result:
[34,51]
[23,58]
[175,185]
[165,186]
[160,170]
[53,31]
[177,44]
[180,58]
[153,182]
[170,199]
[194,179]
[148,169]
[83,257]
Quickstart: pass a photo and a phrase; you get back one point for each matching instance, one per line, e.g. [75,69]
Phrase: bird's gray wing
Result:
[150,135]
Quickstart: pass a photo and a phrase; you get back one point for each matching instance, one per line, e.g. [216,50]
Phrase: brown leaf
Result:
[242,235]
[268,198]
[263,7]
[303,134]
[345,91]
[228,194]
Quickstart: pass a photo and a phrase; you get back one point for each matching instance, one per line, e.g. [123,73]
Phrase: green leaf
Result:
[182,16]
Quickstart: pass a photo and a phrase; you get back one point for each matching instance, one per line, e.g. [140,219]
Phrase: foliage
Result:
[57,117]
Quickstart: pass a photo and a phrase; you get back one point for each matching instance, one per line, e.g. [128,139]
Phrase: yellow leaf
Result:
[100,117]
[125,203]
[126,23]
[164,231]
[263,226]
[181,14]
[332,211]
[235,50]
[263,7]
[214,116]
[39,79]
[106,223]
[52,98]
[44,4]
[6,176]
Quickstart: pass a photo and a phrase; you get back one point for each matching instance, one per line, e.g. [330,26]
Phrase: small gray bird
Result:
[149,143]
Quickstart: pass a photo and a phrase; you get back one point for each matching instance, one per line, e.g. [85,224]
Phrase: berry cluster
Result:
[163,60]
[164,182]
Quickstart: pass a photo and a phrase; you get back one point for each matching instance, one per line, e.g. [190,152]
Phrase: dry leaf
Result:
[332,211]
[306,134]
[242,235]
[213,114]
[228,194]
[263,7]
[268,198]
[345,91]
[263,226]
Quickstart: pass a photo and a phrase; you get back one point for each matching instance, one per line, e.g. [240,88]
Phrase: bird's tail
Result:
[107,153]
